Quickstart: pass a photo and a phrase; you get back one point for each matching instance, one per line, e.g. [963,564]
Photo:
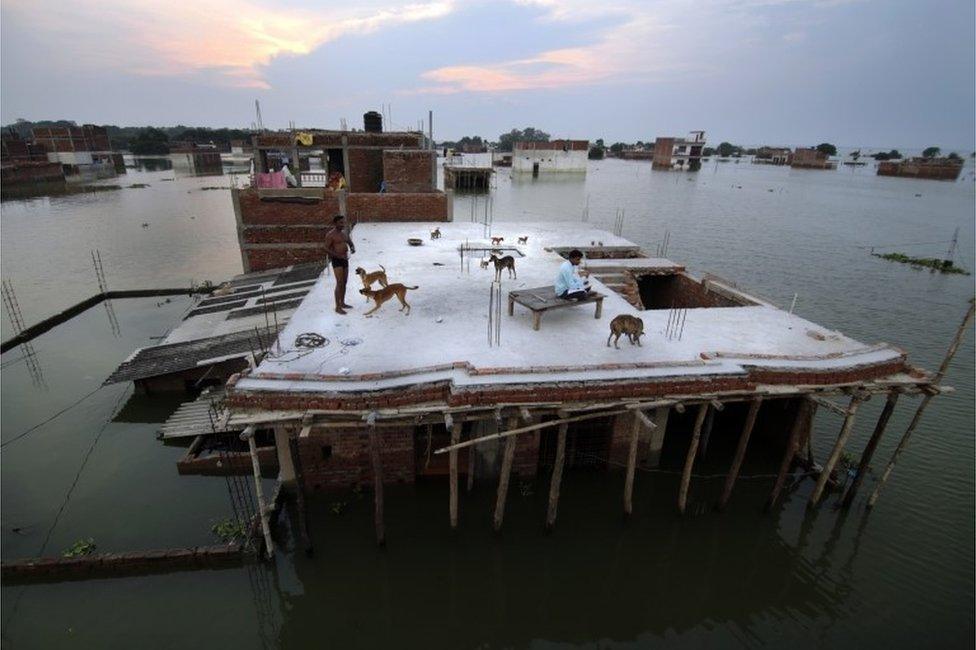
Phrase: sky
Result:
[878,73]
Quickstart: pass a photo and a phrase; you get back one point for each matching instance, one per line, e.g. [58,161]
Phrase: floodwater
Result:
[902,576]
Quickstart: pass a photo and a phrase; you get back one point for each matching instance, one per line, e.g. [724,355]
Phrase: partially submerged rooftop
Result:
[701,335]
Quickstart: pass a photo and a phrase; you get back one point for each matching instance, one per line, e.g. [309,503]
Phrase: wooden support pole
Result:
[804,415]
[471,461]
[300,497]
[631,465]
[842,437]
[690,458]
[740,453]
[453,460]
[503,478]
[951,352]
[862,467]
[248,434]
[557,476]
[374,455]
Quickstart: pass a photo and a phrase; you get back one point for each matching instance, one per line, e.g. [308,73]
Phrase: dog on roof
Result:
[382,295]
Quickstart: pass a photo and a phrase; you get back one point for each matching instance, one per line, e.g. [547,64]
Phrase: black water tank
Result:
[373,122]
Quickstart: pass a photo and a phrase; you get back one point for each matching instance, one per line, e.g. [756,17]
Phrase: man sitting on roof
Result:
[569,284]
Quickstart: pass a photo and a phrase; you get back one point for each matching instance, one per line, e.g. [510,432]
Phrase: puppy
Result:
[495,241]
[369,278]
[382,295]
[523,240]
[435,233]
[507,262]
[632,326]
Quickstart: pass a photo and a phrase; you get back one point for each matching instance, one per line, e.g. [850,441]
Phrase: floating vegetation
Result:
[215,187]
[80,548]
[942,266]
[95,188]
[138,186]
[167,179]
[229,530]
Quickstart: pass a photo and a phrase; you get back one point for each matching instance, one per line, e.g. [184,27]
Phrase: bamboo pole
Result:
[740,453]
[454,446]
[453,460]
[690,458]
[374,455]
[951,352]
[503,479]
[300,497]
[862,467]
[842,437]
[248,434]
[557,476]
[631,465]
[804,415]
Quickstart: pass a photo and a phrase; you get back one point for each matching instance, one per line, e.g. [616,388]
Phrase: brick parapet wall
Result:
[365,173]
[254,211]
[423,206]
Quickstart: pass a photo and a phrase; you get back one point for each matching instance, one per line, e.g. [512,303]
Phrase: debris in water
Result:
[943,266]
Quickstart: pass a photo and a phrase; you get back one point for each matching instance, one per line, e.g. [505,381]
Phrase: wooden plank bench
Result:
[542,299]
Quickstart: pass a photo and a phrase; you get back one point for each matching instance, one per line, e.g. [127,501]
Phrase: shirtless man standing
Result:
[339,246]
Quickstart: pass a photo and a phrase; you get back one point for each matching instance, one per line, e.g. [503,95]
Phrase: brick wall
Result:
[335,459]
[259,259]
[408,170]
[425,206]
[254,211]
[526,460]
[284,234]
[365,173]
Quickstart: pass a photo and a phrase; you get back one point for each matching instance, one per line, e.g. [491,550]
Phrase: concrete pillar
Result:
[656,442]
[286,466]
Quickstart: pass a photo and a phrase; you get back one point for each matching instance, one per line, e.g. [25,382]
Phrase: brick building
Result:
[679,153]
[388,177]
[550,157]
[810,158]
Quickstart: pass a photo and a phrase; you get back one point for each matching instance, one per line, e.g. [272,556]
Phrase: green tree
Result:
[150,141]
[506,141]
[599,143]
[617,147]
[954,156]
[708,151]
[726,149]
[827,148]
[855,155]
[931,152]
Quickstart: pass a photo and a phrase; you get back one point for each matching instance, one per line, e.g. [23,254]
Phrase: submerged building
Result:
[940,169]
[84,152]
[679,153]
[478,371]
[810,158]
[555,156]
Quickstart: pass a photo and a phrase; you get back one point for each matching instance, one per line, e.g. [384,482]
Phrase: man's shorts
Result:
[340,263]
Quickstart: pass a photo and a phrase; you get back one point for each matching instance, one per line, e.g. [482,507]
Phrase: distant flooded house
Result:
[24,163]
[940,169]
[772,156]
[679,153]
[810,158]
[84,152]
[550,157]
[195,158]
[636,154]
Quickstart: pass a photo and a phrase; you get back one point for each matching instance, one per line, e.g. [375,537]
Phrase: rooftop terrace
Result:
[444,339]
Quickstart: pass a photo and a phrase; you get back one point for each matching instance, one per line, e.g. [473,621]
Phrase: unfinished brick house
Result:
[387,176]
[810,158]
[939,169]
[397,398]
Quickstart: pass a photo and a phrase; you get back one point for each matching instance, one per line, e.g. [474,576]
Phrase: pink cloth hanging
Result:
[271,181]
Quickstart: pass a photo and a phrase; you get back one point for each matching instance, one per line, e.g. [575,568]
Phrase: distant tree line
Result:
[144,140]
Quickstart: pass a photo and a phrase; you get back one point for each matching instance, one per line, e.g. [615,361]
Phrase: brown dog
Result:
[369,278]
[507,262]
[523,240]
[632,326]
[387,292]
[495,241]
[435,233]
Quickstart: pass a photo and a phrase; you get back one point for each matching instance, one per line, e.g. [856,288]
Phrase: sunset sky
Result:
[859,72]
